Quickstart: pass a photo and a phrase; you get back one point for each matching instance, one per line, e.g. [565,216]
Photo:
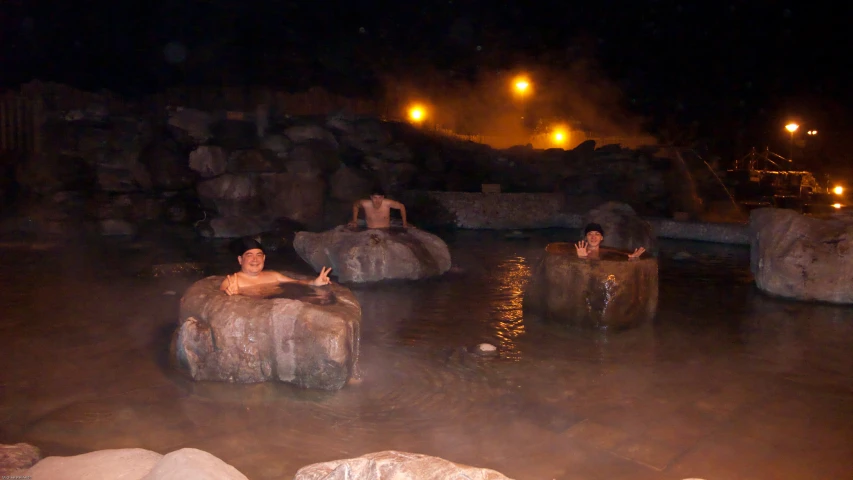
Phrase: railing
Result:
[20,130]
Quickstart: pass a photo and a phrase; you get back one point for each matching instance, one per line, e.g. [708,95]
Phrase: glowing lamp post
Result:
[838,190]
[559,136]
[522,88]
[792,127]
[417,114]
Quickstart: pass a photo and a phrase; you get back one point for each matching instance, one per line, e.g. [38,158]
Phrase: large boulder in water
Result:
[392,465]
[375,254]
[623,229]
[290,333]
[608,293]
[800,257]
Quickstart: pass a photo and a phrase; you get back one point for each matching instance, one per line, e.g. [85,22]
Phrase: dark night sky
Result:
[738,68]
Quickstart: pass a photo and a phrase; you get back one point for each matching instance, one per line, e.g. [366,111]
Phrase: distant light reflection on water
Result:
[507,320]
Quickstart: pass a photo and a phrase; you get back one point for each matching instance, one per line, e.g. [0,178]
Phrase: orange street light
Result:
[417,113]
[838,190]
[560,136]
[792,127]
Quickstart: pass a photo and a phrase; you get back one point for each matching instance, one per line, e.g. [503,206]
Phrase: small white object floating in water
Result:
[486,349]
[516,234]
[682,256]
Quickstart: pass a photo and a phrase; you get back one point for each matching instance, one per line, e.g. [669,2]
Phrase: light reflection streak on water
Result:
[506,306]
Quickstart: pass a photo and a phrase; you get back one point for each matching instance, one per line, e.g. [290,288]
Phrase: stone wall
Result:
[516,211]
[504,210]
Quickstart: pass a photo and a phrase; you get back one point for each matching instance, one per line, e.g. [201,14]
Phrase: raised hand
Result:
[637,253]
[323,278]
[581,248]
[232,288]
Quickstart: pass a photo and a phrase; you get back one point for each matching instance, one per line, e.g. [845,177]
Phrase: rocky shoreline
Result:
[111,167]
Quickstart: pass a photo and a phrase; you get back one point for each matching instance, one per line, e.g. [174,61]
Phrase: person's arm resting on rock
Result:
[402,208]
[356,206]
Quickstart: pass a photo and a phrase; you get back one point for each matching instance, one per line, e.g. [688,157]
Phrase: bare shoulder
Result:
[394,203]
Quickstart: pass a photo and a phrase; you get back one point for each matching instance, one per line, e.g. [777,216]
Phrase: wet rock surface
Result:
[135,463]
[610,294]
[17,457]
[291,333]
[392,465]
[800,257]
[373,255]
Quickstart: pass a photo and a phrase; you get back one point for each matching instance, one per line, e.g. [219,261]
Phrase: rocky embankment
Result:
[115,167]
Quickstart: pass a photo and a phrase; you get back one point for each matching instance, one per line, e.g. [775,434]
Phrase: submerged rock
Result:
[604,294]
[289,333]
[375,254]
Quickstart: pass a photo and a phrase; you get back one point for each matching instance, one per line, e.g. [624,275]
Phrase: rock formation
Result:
[392,465]
[134,463]
[800,257]
[375,254]
[106,166]
[289,333]
[604,294]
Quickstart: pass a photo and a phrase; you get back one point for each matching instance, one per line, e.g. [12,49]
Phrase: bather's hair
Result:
[377,191]
[593,227]
[243,245]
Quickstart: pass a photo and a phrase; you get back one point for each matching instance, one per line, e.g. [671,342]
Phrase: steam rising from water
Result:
[579,100]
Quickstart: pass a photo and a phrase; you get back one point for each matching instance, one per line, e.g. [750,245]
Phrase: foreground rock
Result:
[604,294]
[801,257]
[134,464]
[391,465]
[290,333]
[375,254]
[17,457]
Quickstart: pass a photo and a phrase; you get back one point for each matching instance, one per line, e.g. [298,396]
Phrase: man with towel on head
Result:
[252,272]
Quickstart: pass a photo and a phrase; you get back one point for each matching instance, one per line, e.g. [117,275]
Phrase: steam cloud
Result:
[581,100]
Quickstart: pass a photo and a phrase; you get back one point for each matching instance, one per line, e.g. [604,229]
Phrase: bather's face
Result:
[252,261]
[377,200]
[594,239]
